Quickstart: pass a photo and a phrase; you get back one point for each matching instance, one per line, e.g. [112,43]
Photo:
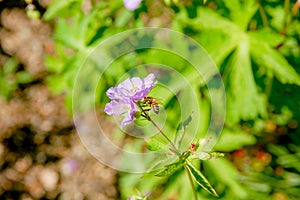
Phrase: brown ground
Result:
[41,156]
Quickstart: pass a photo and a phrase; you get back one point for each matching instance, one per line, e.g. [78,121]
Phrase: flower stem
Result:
[146,115]
[192,183]
[162,133]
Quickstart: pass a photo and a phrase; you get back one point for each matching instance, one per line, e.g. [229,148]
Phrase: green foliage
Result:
[255,44]
[154,144]
[232,139]
[11,78]
[240,76]
[181,130]
[264,55]
[227,174]
[170,169]
[201,180]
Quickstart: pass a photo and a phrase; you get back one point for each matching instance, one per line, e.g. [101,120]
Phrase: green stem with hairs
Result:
[161,132]
[146,116]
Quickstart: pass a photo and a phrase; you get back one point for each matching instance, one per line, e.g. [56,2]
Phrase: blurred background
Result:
[255,45]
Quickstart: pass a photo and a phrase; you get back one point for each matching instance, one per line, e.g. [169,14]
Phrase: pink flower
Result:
[126,94]
[132,88]
[125,108]
[132,4]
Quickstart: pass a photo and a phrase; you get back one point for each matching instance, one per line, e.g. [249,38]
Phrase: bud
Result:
[193,147]
[137,114]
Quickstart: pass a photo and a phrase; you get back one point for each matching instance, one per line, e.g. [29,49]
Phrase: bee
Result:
[150,101]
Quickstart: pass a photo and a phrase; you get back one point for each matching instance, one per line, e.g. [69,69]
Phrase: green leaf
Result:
[277,16]
[154,144]
[54,64]
[201,179]
[264,55]
[244,101]
[7,87]
[187,121]
[89,25]
[217,34]
[33,14]
[226,173]
[181,128]
[217,44]
[10,66]
[123,18]
[209,19]
[181,139]
[57,6]
[234,139]
[170,169]
[69,34]
[24,77]
[268,36]
[241,12]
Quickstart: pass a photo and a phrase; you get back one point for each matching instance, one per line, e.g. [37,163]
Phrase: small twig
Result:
[192,183]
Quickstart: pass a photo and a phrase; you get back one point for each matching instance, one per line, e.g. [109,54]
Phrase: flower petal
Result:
[149,80]
[126,84]
[132,4]
[115,93]
[117,107]
[126,94]
[127,120]
[149,83]
[137,83]
[129,116]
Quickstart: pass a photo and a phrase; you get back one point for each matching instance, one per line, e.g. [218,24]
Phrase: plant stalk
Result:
[162,133]
[146,115]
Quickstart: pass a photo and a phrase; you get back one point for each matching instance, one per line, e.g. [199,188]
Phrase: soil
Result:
[41,156]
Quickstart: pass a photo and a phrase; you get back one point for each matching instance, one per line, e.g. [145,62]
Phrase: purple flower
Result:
[131,4]
[125,108]
[132,88]
[126,94]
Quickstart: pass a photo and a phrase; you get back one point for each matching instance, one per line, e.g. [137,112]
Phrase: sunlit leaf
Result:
[234,139]
[241,12]
[209,19]
[272,60]
[243,99]
[9,67]
[170,169]
[154,144]
[68,34]
[24,77]
[54,64]
[226,173]
[57,6]
[267,35]
[180,131]
[201,179]
[123,18]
